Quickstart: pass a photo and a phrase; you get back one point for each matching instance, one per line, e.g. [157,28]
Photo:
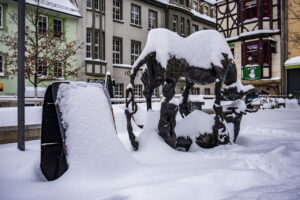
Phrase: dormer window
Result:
[250,9]
[205,9]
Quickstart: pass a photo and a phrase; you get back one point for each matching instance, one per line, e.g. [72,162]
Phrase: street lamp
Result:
[21,80]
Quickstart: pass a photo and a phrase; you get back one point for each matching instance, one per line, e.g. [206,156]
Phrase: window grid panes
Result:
[135,14]
[155,93]
[152,21]
[96,44]
[182,26]
[58,28]
[58,71]
[42,68]
[42,24]
[138,91]
[117,46]
[135,51]
[97,4]
[175,22]
[119,88]
[1,64]
[88,43]
[117,12]
[89,3]
[1,16]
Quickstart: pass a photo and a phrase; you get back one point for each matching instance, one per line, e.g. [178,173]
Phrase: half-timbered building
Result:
[252,29]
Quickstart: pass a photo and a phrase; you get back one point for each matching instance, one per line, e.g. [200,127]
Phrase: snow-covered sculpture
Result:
[202,58]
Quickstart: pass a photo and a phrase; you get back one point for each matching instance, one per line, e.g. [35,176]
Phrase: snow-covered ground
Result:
[263,164]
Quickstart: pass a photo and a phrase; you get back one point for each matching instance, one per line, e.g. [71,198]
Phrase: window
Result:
[182,26]
[58,70]
[103,5]
[135,14]
[1,65]
[250,9]
[1,16]
[175,22]
[57,28]
[266,11]
[117,50]
[138,90]
[252,52]
[155,92]
[204,28]
[195,28]
[89,3]
[195,91]
[102,46]
[135,50]
[152,20]
[42,24]
[195,5]
[88,43]
[96,44]
[207,91]
[117,9]
[119,90]
[205,9]
[42,68]
[188,24]
[97,4]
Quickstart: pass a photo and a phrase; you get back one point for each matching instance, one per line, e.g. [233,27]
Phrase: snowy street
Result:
[263,164]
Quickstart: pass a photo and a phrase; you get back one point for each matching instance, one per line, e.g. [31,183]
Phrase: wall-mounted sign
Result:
[100,80]
[1,87]
[252,73]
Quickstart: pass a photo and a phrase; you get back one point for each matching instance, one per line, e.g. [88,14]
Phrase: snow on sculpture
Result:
[202,58]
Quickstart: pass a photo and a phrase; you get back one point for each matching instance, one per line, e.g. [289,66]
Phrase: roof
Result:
[292,61]
[63,6]
[193,12]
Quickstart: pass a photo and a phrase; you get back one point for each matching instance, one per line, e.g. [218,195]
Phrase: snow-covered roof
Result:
[200,49]
[292,61]
[63,6]
[194,12]
[253,33]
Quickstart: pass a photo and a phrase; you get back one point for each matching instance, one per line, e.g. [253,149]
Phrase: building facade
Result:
[252,29]
[115,32]
[291,46]
[60,19]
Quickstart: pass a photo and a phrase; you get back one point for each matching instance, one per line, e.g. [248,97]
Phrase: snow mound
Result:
[240,87]
[93,147]
[199,49]
[293,61]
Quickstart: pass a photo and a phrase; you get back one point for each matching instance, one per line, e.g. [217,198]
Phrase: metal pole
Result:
[21,80]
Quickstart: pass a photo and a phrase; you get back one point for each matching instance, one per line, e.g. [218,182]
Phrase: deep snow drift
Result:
[262,165]
[89,125]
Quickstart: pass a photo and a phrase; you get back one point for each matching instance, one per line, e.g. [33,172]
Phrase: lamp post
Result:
[21,80]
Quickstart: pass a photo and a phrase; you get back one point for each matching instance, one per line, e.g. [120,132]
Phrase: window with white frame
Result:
[117,9]
[135,14]
[1,65]
[57,28]
[205,9]
[42,68]
[119,89]
[89,3]
[135,50]
[182,26]
[155,92]
[195,5]
[96,44]
[97,4]
[117,50]
[138,91]
[152,20]
[175,22]
[1,16]
[58,69]
[88,43]
[195,91]
[42,24]
[195,28]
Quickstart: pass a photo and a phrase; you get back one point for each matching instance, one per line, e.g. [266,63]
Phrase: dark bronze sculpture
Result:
[155,75]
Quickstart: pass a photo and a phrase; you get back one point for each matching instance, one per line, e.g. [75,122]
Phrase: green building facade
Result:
[65,19]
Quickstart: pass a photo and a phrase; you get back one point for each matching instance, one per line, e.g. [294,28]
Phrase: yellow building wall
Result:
[293,27]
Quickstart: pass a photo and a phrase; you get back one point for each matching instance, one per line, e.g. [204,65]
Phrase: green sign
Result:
[252,73]
[231,45]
